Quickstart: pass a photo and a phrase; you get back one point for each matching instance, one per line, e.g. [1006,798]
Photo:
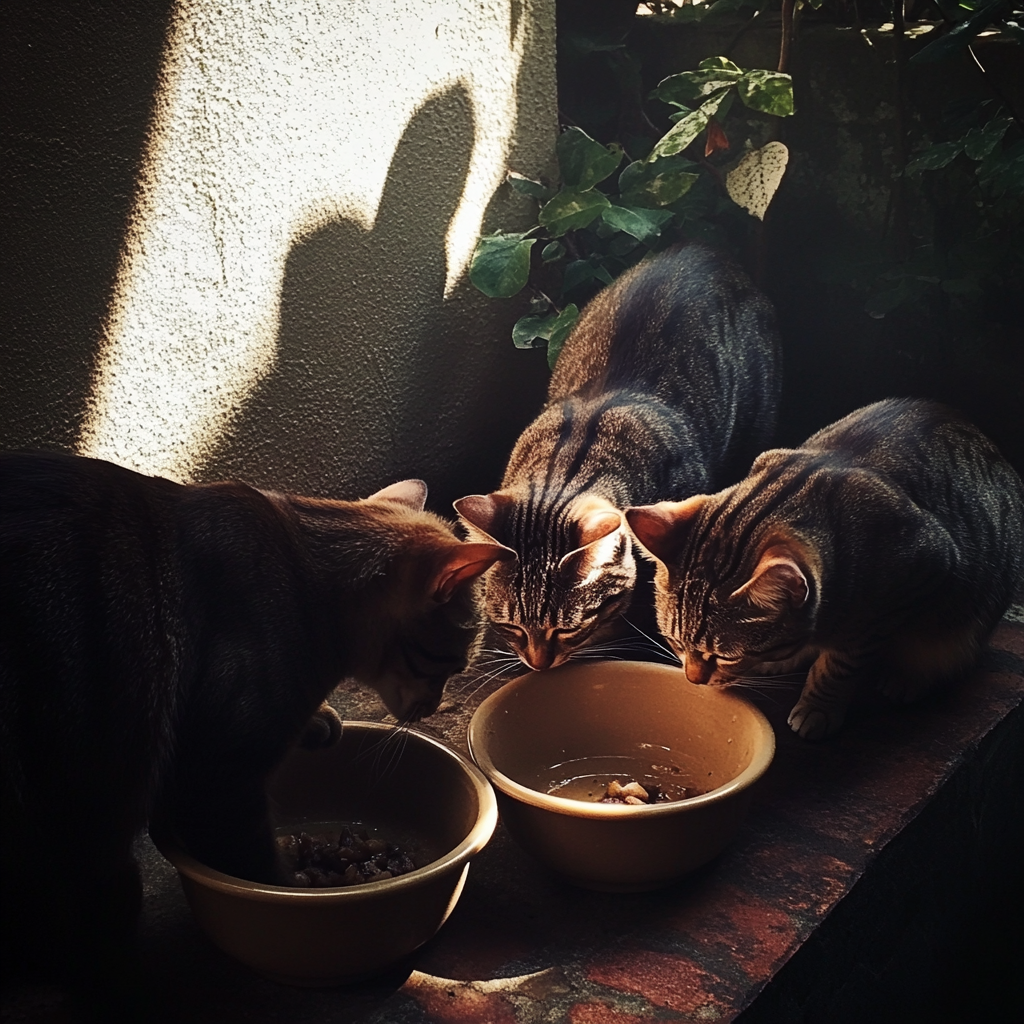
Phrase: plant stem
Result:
[787,35]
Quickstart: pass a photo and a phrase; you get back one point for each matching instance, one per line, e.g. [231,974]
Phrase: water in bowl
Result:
[587,778]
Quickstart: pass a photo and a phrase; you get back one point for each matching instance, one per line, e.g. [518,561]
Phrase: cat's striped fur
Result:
[667,386]
[885,548]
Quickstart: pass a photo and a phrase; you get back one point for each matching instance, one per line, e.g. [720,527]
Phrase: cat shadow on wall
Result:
[377,376]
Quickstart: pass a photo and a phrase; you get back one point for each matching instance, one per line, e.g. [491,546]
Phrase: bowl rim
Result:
[477,838]
[764,753]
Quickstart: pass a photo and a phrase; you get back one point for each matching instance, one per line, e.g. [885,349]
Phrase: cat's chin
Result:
[407,703]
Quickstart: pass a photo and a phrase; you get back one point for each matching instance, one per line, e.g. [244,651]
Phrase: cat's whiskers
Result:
[765,686]
[488,677]
[494,668]
[661,647]
[393,745]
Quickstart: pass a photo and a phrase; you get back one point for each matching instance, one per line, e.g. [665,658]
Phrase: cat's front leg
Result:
[826,695]
[225,823]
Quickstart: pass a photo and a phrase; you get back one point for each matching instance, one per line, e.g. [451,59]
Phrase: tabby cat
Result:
[667,386]
[162,647]
[885,548]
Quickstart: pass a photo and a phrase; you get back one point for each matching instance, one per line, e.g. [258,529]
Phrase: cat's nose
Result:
[539,656]
[697,669]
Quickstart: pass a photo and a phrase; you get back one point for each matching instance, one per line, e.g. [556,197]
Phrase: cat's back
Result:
[927,449]
[945,465]
[75,506]
[683,322]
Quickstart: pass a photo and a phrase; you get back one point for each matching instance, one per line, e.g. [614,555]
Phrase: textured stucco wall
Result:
[289,301]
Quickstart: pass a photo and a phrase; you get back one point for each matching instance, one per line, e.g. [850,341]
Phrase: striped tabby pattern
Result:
[885,548]
[668,385]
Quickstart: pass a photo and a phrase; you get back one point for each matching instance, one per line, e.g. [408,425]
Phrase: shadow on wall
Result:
[78,85]
[375,383]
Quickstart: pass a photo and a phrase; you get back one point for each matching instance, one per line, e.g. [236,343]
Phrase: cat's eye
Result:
[511,630]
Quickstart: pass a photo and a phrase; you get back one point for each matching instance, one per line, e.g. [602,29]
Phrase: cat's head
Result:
[421,621]
[733,596]
[569,575]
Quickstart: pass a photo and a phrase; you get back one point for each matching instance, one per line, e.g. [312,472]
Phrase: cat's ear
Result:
[597,524]
[463,562]
[485,512]
[411,493]
[662,528]
[777,583]
[599,533]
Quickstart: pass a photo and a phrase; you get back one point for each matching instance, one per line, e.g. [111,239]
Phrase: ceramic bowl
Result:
[430,796]
[574,728]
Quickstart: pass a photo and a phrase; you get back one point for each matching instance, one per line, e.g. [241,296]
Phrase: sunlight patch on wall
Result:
[274,119]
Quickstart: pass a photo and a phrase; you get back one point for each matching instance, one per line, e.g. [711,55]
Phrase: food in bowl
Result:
[333,854]
[428,797]
[552,741]
[635,795]
[600,780]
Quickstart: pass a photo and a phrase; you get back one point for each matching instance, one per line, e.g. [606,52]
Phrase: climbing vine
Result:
[699,156]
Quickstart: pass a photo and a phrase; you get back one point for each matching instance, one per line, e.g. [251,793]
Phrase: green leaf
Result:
[583,161]
[715,73]
[540,331]
[527,187]
[979,142]
[719,64]
[552,251]
[501,264]
[622,244]
[960,36]
[1003,171]
[564,323]
[583,271]
[643,225]
[560,330]
[767,91]
[934,157]
[569,210]
[656,184]
[531,331]
[677,138]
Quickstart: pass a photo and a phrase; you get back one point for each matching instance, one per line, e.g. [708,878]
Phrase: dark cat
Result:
[667,386]
[162,647]
[885,548]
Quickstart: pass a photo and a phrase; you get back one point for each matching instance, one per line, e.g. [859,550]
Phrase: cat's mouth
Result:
[700,670]
[541,661]
[422,709]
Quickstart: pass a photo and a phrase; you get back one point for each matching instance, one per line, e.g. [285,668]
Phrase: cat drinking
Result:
[884,549]
[667,386]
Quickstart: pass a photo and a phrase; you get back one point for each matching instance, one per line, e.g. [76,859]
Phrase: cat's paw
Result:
[322,730]
[811,722]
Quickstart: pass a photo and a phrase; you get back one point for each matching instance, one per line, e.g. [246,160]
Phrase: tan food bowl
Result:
[430,797]
[578,726]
